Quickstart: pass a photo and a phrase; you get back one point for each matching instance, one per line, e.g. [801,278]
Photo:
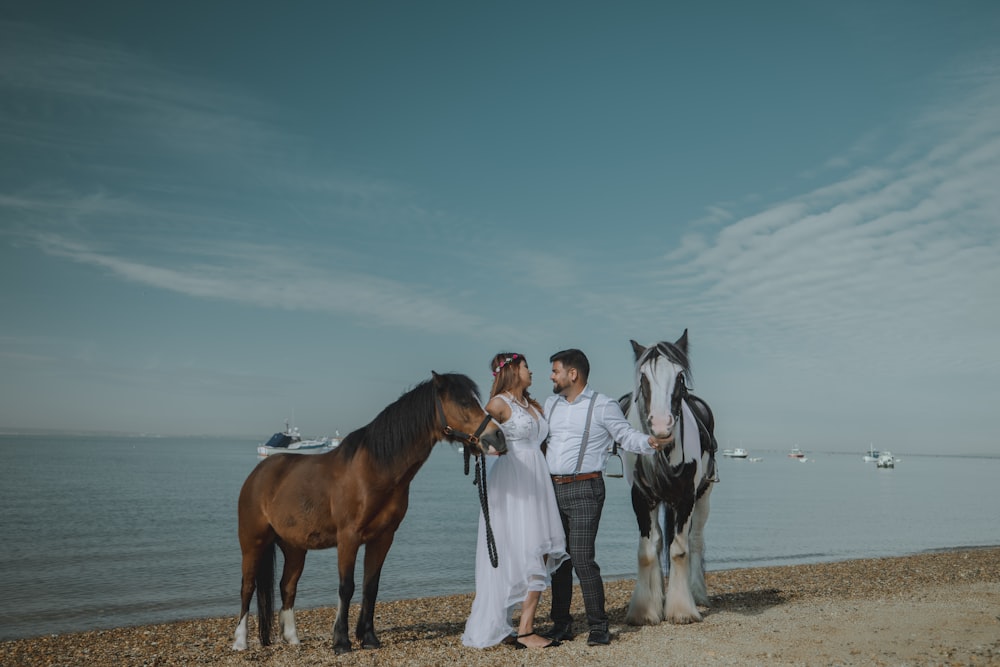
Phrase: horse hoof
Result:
[341,650]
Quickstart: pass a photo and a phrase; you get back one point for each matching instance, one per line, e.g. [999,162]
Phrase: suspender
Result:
[586,430]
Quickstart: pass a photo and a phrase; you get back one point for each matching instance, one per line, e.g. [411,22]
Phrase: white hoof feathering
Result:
[680,607]
[646,605]
[240,643]
[286,621]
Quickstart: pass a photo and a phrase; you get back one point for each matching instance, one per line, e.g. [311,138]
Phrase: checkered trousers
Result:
[580,506]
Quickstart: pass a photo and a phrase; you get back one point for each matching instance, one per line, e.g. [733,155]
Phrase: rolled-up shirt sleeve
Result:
[617,425]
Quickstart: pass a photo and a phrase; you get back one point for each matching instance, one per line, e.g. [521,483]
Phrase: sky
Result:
[218,216]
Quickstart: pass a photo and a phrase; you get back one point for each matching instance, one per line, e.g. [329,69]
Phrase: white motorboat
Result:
[885,460]
[290,441]
[872,455]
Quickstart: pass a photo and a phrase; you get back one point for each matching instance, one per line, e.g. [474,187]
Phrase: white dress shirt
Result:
[608,424]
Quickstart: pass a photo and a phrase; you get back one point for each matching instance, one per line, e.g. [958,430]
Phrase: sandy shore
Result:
[930,609]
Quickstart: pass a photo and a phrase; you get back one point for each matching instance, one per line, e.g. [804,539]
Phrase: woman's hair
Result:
[505,368]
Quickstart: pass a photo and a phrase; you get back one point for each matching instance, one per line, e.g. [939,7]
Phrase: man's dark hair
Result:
[573,358]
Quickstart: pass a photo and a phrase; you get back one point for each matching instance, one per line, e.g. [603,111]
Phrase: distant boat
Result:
[290,441]
[872,455]
[796,453]
[738,453]
[885,460]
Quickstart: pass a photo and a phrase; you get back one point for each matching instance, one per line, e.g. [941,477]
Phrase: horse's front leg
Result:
[646,605]
[347,554]
[680,607]
[295,561]
[375,553]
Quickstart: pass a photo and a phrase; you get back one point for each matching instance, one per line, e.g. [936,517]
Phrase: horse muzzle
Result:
[494,440]
[661,428]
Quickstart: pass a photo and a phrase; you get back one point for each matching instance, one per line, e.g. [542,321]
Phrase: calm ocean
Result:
[108,532]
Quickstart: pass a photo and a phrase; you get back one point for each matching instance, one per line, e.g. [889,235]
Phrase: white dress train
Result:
[527,528]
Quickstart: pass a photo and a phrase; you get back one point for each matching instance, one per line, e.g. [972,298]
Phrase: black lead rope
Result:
[484,502]
[480,481]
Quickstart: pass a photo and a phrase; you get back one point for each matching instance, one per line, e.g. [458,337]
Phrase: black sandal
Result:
[519,645]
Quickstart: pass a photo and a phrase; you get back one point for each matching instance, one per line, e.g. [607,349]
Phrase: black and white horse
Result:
[678,477]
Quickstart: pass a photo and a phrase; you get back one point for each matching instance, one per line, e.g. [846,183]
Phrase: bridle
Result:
[471,439]
[679,394]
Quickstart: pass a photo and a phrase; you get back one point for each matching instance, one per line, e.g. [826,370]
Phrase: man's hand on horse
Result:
[660,443]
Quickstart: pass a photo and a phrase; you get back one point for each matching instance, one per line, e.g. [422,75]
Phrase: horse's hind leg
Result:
[698,520]
[246,595]
[295,560]
[250,560]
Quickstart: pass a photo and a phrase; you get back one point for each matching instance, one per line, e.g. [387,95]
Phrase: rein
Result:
[480,480]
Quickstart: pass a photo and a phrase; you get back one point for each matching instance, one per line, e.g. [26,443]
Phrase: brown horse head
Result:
[462,417]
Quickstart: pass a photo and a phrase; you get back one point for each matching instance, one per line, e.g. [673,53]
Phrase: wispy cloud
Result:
[892,262]
[259,276]
[161,159]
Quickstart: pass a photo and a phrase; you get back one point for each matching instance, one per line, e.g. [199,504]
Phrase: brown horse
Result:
[356,494]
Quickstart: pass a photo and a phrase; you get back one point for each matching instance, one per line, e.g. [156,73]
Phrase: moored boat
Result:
[872,455]
[796,453]
[290,441]
[885,460]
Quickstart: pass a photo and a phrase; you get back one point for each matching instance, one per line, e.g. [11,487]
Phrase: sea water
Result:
[107,532]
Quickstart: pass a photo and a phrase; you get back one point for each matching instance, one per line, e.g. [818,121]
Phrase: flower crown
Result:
[504,362]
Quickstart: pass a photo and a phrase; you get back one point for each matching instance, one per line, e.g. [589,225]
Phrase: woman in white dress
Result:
[529,535]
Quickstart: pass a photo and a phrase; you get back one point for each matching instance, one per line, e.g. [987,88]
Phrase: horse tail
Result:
[264,580]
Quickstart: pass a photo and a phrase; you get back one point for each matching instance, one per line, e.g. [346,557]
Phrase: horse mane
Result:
[411,417]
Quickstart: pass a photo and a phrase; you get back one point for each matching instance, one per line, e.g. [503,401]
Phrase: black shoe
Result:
[560,633]
[599,638]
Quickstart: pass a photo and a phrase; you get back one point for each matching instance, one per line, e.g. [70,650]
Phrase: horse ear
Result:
[682,342]
[637,349]
[436,377]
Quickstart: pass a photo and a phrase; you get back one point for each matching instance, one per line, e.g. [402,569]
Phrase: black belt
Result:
[566,479]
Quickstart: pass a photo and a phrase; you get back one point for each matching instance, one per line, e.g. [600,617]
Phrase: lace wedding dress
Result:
[525,520]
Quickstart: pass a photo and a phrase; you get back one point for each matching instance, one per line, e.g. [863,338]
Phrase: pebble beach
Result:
[940,608]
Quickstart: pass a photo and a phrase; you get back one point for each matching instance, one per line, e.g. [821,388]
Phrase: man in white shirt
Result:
[583,424]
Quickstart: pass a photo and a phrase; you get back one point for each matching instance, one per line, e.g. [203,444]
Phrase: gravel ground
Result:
[931,609]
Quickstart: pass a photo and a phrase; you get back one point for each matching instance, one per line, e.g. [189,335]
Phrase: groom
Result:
[583,424]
